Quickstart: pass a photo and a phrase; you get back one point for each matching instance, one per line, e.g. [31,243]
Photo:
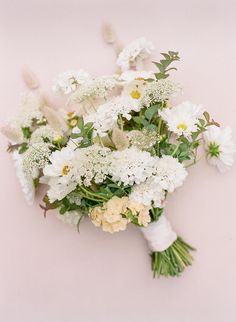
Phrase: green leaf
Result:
[150,112]
[23,148]
[26,132]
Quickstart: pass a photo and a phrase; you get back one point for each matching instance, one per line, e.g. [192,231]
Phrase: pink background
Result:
[49,272]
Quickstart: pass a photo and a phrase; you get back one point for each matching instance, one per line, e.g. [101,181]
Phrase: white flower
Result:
[107,114]
[92,164]
[70,217]
[70,168]
[60,174]
[35,158]
[69,81]
[95,88]
[148,193]
[159,91]
[134,53]
[131,166]
[169,173]
[183,118]
[143,140]
[131,75]
[44,132]
[29,111]
[220,147]
[26,182]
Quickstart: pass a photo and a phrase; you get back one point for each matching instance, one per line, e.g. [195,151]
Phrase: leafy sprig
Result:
[163,65]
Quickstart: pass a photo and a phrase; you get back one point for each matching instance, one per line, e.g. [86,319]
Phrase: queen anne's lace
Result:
[131,166]
[107,114]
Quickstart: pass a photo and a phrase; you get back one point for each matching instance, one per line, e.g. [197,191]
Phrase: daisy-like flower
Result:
[220,147]
[60,174]
[69,81]
[131,166]
[134,53]
[107,114]
[169,173]
[183,118]
[61,163]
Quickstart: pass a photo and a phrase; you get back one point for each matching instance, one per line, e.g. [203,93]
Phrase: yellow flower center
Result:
[65,170]
[70,114]
[182,126]
[135,94]
[73,122]
[139,78]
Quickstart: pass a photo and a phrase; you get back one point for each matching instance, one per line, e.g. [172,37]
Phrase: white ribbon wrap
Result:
[159,234]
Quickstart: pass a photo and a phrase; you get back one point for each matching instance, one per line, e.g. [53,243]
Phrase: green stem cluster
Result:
[173,260]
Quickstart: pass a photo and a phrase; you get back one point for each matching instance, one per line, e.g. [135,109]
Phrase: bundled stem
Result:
[173,260]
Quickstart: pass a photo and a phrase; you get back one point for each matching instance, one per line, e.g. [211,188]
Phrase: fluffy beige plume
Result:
[120,139]
[30,79]
[111,38]
[11,133]
[54,119]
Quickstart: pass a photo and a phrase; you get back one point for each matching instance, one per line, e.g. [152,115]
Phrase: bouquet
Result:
[117,149]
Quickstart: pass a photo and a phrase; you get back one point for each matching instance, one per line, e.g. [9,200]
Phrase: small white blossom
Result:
[45,132]
[107,114]
[74,198]
[70,217]
[220,147]
[169,173]
[143,140]
[159,91]
[131,166]
[134,53]
[26,181]
[148,193]
[29,111]
[35,158]
[69,81]
[183,118]
[95,88]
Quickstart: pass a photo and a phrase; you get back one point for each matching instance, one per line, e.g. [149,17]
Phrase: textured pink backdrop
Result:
[49,273]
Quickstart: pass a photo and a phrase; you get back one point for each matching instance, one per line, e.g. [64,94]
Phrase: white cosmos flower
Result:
[169,173]
[131,75]
[61,163]
[220,147]
[183,118]
[60,174]
[134,53]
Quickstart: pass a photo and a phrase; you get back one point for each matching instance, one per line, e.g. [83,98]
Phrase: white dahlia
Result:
[183,118]
[148,193]
[169,173]
[220,147]
[134,53]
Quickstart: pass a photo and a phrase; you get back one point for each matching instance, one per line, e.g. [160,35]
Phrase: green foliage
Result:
[164,64]
[86,133]
[26,132]
[23,147]
[173,260]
